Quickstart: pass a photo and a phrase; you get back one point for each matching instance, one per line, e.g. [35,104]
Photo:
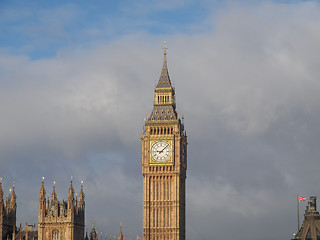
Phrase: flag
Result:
[138,237]
[301,199]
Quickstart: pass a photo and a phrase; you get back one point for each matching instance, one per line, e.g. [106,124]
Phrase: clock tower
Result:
[164,165]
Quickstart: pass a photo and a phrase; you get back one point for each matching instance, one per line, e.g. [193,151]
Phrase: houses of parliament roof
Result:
[310,229]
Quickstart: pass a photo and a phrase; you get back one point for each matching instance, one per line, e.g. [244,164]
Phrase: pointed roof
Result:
[53,194]
[164,107]
[310,228]
[120,237]
[164,80]
[71,190]
[42,190]
[93,234]
[81,194]
[1,191]
[86,238]
[13,194]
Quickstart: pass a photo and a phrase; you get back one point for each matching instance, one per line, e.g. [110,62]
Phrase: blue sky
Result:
[40,28]
[78,76]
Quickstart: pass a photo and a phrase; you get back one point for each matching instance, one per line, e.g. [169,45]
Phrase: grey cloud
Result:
[249,92]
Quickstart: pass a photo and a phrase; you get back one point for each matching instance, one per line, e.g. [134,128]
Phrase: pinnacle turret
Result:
[120,237]
[13,198]
[164,80]
[164,109]
[71,191]
[310,228]
[1,191]
[81,196]
[64,213]
[42,190]
[53,194]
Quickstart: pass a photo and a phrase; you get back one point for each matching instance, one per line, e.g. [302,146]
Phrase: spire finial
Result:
[71,178]
[165,48]
[13,183]
[42,179]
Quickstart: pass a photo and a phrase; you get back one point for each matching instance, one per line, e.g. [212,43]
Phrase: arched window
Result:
[55,235]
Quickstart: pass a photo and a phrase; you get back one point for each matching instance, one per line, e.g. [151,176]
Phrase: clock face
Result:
[161,151]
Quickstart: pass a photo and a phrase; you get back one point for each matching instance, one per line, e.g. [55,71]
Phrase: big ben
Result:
[164,165]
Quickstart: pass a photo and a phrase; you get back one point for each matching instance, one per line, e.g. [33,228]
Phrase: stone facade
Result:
[310,229]
[29,232]
[164,165]
[61,220]
[8,209]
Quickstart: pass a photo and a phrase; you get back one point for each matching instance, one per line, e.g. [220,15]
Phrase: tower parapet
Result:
[61,219]
[8,209]
[310,228]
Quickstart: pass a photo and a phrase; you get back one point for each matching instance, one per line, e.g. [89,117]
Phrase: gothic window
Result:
[55,235]
[162,112]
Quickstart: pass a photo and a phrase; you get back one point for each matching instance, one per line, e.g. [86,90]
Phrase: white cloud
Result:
[249,92]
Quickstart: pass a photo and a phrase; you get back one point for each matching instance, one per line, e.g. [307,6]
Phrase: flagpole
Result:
[298,212]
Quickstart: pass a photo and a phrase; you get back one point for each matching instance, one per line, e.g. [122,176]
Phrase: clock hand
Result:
[163,149]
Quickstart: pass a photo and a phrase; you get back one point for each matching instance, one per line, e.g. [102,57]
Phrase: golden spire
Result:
[165,48]
[165,54]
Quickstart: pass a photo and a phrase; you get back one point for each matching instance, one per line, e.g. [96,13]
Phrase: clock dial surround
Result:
[161,151]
